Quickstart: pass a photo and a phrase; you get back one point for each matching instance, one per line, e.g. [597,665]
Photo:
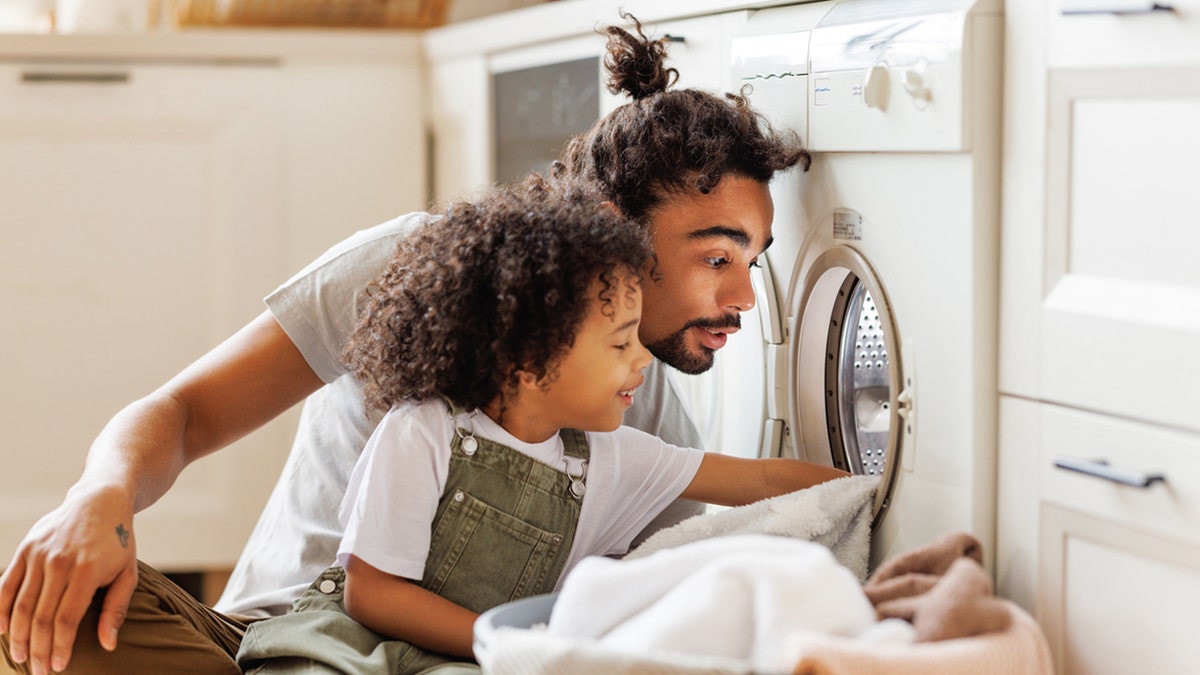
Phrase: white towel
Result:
[836,514]
[742,597]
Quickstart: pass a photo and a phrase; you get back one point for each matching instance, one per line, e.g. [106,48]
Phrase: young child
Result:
[503,341]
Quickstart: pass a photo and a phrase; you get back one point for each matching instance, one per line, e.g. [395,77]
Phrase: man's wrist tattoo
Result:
[123,535]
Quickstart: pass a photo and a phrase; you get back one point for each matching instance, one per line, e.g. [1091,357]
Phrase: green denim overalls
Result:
[503,529]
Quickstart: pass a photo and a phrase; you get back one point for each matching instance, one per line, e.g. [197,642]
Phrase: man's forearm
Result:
[139,452]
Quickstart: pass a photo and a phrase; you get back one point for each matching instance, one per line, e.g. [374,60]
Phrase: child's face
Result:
[596,378]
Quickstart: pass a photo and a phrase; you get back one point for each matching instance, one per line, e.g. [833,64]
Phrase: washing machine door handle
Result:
[904,403]
[906,408]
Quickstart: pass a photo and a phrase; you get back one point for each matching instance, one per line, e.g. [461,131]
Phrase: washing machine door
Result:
[850,398]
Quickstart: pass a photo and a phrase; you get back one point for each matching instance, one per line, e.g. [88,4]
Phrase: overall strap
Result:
[455,408]
[574,443]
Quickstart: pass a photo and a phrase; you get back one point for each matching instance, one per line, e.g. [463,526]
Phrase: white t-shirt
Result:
[395,488]
[298,532]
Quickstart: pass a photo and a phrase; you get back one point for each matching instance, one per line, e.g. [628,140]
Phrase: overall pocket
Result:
[482,557]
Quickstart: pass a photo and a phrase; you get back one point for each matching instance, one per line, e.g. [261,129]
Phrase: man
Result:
[691,166]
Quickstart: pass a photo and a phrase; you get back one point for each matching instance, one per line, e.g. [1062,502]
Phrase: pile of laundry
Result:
[744,602]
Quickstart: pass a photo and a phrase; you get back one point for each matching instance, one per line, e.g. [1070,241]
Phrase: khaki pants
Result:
[166,631]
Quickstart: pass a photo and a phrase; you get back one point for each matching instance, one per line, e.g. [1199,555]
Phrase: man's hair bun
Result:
[636,64]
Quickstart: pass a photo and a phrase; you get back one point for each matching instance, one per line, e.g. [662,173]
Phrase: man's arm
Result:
[87,542]
[735,481]
[396,607]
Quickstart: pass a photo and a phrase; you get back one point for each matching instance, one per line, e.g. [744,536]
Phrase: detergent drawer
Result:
[1119,570]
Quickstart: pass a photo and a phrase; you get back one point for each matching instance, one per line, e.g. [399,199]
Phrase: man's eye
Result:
[716,262]
[754,263]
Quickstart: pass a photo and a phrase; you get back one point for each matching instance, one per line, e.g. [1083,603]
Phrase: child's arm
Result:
[400,609]
[734,481]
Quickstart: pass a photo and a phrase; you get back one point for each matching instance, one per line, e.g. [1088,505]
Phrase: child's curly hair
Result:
[670,141]
[493,286]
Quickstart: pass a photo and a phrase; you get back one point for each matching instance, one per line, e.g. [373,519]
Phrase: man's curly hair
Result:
[491,287]
[670,141]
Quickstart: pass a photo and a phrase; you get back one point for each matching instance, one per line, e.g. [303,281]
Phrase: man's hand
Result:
[85,544]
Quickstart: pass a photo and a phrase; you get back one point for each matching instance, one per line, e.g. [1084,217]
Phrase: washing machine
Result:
[874,348]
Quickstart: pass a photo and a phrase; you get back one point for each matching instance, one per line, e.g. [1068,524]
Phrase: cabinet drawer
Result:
[1119,565]
[1169,507]
[1115,599]
[1102,33]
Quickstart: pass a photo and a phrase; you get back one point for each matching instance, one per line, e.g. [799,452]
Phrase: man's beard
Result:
[672,350]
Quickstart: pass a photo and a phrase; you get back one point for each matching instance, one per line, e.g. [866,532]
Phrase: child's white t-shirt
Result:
[394,490]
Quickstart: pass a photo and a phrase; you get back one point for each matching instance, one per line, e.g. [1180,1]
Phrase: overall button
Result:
[327,586]
[458,496]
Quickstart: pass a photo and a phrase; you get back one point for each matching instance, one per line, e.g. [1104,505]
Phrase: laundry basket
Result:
[523,613]
[313,13]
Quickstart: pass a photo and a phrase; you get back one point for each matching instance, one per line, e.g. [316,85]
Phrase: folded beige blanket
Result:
[940,588]
[944,592]
[1020,649]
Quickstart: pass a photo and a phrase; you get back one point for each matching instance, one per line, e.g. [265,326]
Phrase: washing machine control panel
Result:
[884,77]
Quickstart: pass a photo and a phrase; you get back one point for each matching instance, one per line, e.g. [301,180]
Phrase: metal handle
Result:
[77,77]
[1113,6]
[674,38]
[1099,468]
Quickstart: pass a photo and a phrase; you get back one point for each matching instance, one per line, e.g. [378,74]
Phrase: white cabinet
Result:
[460,126]
[148,203]
[1102,295]
[1100,299]
[1118,571]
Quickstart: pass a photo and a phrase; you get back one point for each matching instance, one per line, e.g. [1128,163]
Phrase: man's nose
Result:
[738,292]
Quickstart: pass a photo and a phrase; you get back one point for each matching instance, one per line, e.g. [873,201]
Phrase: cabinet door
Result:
[1118,324]
[542,96]
[141,225]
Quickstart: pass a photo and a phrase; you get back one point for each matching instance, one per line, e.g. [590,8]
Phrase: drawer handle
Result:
[1100,469]
[1114,6]
[52,77]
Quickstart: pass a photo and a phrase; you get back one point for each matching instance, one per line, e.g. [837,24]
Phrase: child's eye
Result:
[622,347]
[716,262]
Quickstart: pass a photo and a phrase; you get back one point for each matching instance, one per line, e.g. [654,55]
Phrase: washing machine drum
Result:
[851,399]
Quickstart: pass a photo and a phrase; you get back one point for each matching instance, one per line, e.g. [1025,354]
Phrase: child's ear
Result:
[611,207]
[528,381]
